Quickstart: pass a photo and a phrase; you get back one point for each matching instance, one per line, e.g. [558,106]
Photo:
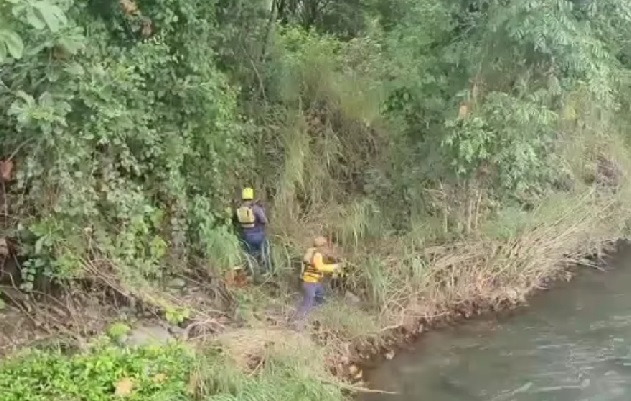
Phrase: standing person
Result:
[314,270]
[252,221]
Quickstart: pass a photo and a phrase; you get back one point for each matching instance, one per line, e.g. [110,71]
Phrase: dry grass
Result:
[250,348]
[266,364]
[494,271]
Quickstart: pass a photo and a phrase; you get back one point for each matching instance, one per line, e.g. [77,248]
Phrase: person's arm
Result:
[259,212]
[318,263]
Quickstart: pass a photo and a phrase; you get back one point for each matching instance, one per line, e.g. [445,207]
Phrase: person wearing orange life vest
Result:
[251,219]
[315,267]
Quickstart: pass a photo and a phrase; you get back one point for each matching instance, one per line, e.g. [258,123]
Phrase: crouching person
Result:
[314,269]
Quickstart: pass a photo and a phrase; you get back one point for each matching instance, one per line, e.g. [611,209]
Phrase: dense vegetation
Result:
[391,125]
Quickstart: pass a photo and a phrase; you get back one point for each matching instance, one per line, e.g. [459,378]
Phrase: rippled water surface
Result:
[572,344]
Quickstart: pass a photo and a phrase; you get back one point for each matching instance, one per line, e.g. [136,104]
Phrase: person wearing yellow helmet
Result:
[315,266]
[251,219]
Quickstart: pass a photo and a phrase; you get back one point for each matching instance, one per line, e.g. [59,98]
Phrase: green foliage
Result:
[479,89]
[42,17]
[118,331]
[156,374]
[173,372]
[118,139]
[511,137]
[176,316]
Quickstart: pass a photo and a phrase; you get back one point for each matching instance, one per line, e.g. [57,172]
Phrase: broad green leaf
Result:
[15,109]
[26,97]
[34,20]
[51,14]
[45,99]
[12,42]
[74,69]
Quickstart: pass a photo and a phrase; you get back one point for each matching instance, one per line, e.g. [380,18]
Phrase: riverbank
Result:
[254,354]
[570,343]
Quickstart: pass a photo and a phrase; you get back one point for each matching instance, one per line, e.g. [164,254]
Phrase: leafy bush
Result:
[118,138]
[149,373]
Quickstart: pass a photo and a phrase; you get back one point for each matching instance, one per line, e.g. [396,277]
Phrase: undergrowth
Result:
[103,373]
[291,368]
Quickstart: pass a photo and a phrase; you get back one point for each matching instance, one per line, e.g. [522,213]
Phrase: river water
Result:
[572,344]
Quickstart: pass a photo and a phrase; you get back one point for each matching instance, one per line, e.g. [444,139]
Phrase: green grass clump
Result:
[118,331]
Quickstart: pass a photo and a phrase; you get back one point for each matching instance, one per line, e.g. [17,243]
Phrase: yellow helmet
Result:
[247,194]
[320,241]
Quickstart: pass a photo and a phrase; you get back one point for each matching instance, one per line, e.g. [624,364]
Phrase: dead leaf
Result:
[4,247]
[229,278]
[463,111]
[60,53]
[124,387]
[129,6]
[147,27]
[159,378]
[474,91]
[241,280]
[6,169]
[353,369]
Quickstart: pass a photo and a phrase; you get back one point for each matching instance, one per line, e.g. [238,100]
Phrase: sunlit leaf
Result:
[74,69]
[34,20]
[52,15]
[26,97]
[12,42]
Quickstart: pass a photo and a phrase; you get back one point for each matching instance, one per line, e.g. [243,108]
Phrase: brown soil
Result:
[39,320]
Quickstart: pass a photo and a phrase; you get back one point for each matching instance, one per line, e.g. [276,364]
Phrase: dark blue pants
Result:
[255,243]
[312,295]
